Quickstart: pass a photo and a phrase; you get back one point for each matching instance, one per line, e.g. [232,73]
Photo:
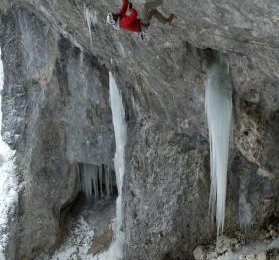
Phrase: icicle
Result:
[90,18]
[111,180]
[119,125]
[101,180]
[4,148]
[86,180]
[79,176]
[88,22]
[218,106]
[81,60]
[120,131]
[94,18]
[108,191]
[95,182]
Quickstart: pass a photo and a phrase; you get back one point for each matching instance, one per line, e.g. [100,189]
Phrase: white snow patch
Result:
[8,183]
[114,252]
[249,251]
[8,199]
[77,244]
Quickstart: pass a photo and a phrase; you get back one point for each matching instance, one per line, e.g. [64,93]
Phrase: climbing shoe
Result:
[171,17]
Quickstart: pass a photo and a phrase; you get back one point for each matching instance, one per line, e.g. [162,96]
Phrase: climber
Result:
[131,22]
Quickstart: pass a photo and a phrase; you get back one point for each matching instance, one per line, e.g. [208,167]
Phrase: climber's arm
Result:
[132,17]
[124,7]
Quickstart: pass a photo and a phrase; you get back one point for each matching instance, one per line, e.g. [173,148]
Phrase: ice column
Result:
[120,132]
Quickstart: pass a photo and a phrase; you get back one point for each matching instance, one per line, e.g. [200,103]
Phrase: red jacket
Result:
[131,22]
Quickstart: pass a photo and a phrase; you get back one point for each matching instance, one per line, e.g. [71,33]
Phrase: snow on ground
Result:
[90,220]
[8,199]
[252,251]
[114,251]
[77,244]
[233,249]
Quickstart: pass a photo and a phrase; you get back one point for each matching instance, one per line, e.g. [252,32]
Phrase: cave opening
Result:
[92,212]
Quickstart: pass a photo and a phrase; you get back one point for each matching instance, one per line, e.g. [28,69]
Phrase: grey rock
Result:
[261,256]
[199,253]
[66,120]
[225,244]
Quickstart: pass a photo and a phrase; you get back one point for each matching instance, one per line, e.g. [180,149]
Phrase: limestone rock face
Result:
[56,114]
[58,102]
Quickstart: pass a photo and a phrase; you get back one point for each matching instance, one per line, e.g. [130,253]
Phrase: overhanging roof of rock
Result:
[238,26]
[247,27]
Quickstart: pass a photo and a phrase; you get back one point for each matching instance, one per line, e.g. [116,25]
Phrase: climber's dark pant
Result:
[150,10]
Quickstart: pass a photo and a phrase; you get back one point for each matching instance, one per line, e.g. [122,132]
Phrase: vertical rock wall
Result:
[56,114]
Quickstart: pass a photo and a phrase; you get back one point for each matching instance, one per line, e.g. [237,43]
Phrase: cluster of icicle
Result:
[8,184]
[218,106]
[92,179]
[115,251]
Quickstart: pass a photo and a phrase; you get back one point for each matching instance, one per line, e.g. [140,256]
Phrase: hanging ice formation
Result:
[96,181]
[120,132]
[91,18]
[218,106]
[8,184]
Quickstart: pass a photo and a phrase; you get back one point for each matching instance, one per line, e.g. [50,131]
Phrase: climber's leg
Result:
[149,10]
[159,16]
[147,7]
[153,4]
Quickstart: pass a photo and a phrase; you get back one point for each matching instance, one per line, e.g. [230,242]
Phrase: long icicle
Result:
[115,251]
[120,131]
[88,22]
[218,105]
